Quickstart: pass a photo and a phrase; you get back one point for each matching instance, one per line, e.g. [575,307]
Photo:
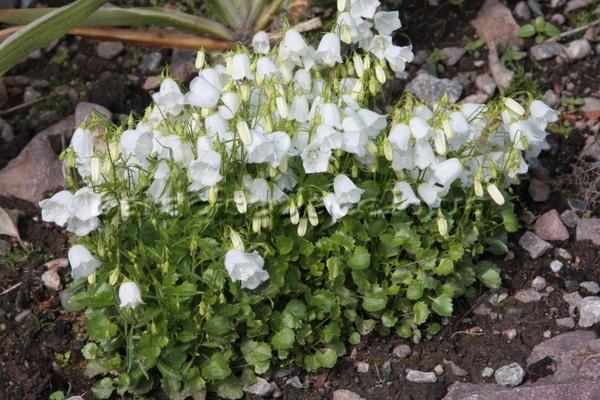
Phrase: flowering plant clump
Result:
[270,216]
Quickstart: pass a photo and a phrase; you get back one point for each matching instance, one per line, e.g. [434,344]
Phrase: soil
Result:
[41,353]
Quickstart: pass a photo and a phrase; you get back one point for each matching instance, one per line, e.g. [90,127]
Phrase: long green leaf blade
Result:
[43,31]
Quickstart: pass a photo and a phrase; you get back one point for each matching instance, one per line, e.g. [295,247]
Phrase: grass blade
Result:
[265,18]
[44,30]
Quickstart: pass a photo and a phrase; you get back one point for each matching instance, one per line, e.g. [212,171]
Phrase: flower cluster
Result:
[280,151]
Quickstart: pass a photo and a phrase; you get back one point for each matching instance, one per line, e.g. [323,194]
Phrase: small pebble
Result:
[294,382]
[439,369]
[510,334]
[539,283]
[556,266]
[510,375]
[386,370]
[591,287]
[571,285]
[528,296]
[362,367]
[567,322]
[562,253]
[402,351]
[420,376]
[487,372]
[547,334]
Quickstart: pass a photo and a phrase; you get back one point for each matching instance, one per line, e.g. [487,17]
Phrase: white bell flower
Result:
[231,105]
[265,68]
[137,145]
[202,93]
[315,159]
[260,149]
[299,109]
[258,189]
[541,111]
[240,67]
[399,137]
[261,42]
[82,143]
[328,137]
[459,124]
[287,181]
[55,209]
[387,22]
[379,44]
[281,145]
[431,194]
[205,171]
[247,268]
[398,57]
[303,78]
[355,142]
[423,154]
[82,262]
[130,295]
[215,125]
[216,76]
[334,207]
[175,148]
[363,8]
[345,190]
[330,115]
[85,204]
[403,160]
[420,129]
[329,50]
[82,227]
[447,171]
[373,123]
[404,196]
[293,47]
[169,98]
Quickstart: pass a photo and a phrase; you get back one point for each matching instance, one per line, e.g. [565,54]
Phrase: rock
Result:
[420,376]
[477,98]
[569,218]
[487,372]
[428,87]
[439,370]
[57,264]
[558,19]
[510,334]
[455,369]
[486,84]
[109,50]
[37,169]
[590,287]
[578,49]
[584,390]
[588,229]
[562,253]
[4,248]
[550,98]
[591,110]
[571,285]
[557,3]
[295,382]
[454,55]
[496,24]
[51,280]
[85,110]
[262,388]
[528,296]
[528,217]
[545,51]
[592,148]
[402,351]
[150,62]
[510,375]
[152,82]
[522,11]
[589,311]
[30,95]
[386,370]
[572,298]
[23,316]
[65,297]
[573,5]
[361,367]
[539,190]
[502,75]
[343,394]
[567,322]
[539,283]
[550,227]
[6,131]
[482,309]
[535,246]
[183,64]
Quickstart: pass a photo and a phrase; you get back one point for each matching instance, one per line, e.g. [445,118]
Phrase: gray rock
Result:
[588,229]
[428,87]
[183,64]
[562,253]
[580,390]
[567,322]
[573,5]
[294,382]
[576,204]
[4,248]
[420,376]
[510,375]
[558,19]
[539,283]
[51,279]
[557,3]
[549,227]
[589,311]
[343,394]
[573,298]
[402,351]
[569,218]
[150,62]
[487,372]
[528,296]
[454,55]
[31,95]
[495,24]
[502,75]
[522,11]
[455,369]
[545,51]
[539,190]
[64,298]
[262,388]
[482,309]
[591,149]
[386,370]
[361,367]
[591,287]
[578,49]
[535,246]
[109,50]
[486,84]
[6,131]
[550,98]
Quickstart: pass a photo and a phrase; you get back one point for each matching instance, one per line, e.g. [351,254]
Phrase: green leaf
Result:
[328,358]
[323,299]
[89,351]
[283,339]
[44,30]
[551,30]
[375,300]
[99,326]
[442,305]
[354,338]
[445,267]
[495,246]
[230,388]
[103,389]
[217,369]
[284,244]
[489,274]
[539,24]
[421,312]
[456,251]
[526,31]
[509,220]
[361,258]
[330,332]
[414,290]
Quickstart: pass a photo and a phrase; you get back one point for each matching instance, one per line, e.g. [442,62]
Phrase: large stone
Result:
[183,64]
[588,229]
[510,375]
[486,84]
[343,394]
[51,280]
[496,24]
[535,246]
[589,311]
[150,62]
[569,218]
[545,51]
[550,227]
[528,296]
[580,390]
[85,110]
[502,75]
[578,49]
[37,169]
[262,388]
[428,87]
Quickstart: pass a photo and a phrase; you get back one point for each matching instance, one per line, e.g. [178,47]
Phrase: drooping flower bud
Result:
[313,218]
[200,59]
[514,106]
[294,214]
[442,224]
[302,227]
[244,133]
[239,197]
[495,194]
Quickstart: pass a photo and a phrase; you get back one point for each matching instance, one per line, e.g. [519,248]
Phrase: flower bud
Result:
[200,59]
[236,241]
[245,92]
[283,165]
[495,194]
[313,218]
[96,166]
[367,62]
[442,224]
[447,128]
[70,158]
[125,208]
[439,141]
[229,65]
[358,65]
[240,201]
[244,133]
[478,188]
[514,106]
[345,35]
[91,278]
[372,148]
[354,171]
[388,152]
[212,195]
[302,227]
[294,214]
[256,224]
[282,107]
[341,5]
[113,277]
[380,74]
[357,89]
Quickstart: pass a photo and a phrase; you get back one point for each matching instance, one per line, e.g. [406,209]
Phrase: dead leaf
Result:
[8,225]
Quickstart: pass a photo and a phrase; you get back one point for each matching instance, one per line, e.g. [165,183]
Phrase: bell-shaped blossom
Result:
[240,67]
[330,115]
[329,50]
[82,228]
[130,295]
[202,93]
[420,129]
[82,262]
[303,78]
[447,171]
[541,111]
[281,145]
[85,204]
[258,188]
[215,125]
[293,47]
[299,109]
[265,68]
[423,154]
[423,111]
[387,22]
[354,29]
[216,76]
[82,143]
[136,145]
[169,98]
[231,105]
[176,148]
[431,194]
[363,8]
[355,142]
[459,124]
[260,149]
[55,209]
[398,57]
[328,137]
[261,42]
[345,190]
[373,123]
[287,181]
[379,44]
[246,268]
[402,160]
[205,171]
[335,208]
[399,137]
[315,159]
[404,196]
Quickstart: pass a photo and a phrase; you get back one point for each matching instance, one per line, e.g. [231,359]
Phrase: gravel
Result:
[420,376]
[534,245]
[510,375]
